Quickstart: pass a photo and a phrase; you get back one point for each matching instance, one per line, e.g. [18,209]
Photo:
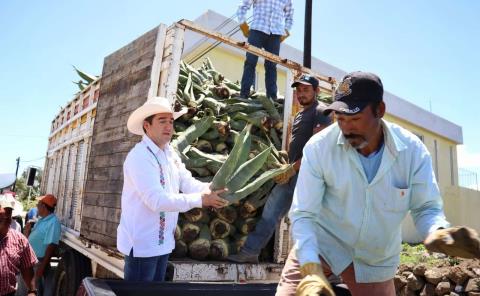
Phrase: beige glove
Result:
[283,178]
[454,241]
[283,37]
[284,155]
[314,281]
[245,29]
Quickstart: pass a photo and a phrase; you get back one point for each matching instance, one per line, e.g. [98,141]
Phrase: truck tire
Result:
[71,270]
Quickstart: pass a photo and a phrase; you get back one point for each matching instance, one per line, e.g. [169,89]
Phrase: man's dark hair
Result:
[49,208]
[374,106]
[149,119]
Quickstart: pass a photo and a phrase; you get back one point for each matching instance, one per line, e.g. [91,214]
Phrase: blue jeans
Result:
[145,269]
[271,43]
[277,206]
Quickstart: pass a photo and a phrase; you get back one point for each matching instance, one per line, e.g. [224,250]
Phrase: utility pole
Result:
[16,172]
[307,37]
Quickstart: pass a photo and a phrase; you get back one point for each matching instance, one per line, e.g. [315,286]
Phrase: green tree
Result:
[27,194]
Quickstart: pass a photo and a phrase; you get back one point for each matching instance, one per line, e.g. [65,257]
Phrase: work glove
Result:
[284,177]
[283,37]
[245,29]
[284,155]
[454,241]
[314,281]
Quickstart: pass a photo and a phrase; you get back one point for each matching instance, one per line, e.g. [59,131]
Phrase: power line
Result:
[23,161]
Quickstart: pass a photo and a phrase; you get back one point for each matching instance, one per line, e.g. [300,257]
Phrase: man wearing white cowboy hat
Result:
[156,186]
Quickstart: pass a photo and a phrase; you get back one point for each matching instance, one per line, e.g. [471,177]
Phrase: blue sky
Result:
[424,51]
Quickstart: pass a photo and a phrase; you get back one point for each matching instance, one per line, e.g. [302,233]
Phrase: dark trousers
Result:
[271,43]
[277,206]
[145,269]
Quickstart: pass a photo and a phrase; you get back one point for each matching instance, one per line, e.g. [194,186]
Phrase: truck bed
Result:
[92,286]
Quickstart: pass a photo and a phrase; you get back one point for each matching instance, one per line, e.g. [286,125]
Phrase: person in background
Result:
[306,123]
[44,237]
[17,220]
[16,254]
[272,21]
[32,214]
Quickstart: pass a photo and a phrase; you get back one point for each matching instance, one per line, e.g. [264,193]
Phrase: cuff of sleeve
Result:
[436,226]
[307,256]
[241,18]
[194,200]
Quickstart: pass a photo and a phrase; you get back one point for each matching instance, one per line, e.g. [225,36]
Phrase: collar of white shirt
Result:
[150,144]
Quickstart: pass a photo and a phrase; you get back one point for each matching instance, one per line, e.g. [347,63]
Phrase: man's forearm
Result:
[296,164]
[27,275]
[49,252]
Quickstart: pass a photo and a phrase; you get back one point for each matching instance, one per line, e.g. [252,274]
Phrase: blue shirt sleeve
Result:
[52,235]
[426,205]
[242,10]
[289,16]
[307,199]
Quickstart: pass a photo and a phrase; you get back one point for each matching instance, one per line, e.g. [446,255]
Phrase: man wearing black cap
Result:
[306,123]
[358,180]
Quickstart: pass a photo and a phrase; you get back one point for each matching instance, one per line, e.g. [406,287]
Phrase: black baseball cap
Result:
[355,92]
[307,80]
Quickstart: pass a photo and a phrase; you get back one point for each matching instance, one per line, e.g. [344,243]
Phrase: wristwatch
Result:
[32,291]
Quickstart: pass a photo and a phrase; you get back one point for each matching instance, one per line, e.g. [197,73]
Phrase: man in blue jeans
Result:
[272,21]
[306,123]
[44,237]
[156,187]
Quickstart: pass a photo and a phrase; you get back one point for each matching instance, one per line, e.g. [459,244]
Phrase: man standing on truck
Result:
[272,21]
[44,238]
[156,186]
[307,122]
[16,254]
[358,180]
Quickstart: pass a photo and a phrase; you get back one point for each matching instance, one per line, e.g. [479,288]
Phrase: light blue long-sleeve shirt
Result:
[269,16]
[338,215]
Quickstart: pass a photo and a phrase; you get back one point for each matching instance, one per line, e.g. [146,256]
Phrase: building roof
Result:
[396,106]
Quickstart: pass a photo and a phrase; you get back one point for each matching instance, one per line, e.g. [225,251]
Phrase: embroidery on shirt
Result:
[162,226]
[161,233]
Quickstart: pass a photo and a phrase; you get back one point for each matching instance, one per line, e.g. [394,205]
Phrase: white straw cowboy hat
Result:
[8,201]
[150,107]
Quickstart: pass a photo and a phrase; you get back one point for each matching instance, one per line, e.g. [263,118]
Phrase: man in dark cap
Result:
[358,180]
[307,122]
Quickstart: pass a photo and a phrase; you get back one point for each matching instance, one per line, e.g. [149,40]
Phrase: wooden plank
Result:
[109,186]
[112,147]
[113,215]
[99,238]
[105,174]
[169,77]
[94,212]
[110,135]
[93,225]
[157,60]
[252,49]
[107,161]
[114,121]
[110,200]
